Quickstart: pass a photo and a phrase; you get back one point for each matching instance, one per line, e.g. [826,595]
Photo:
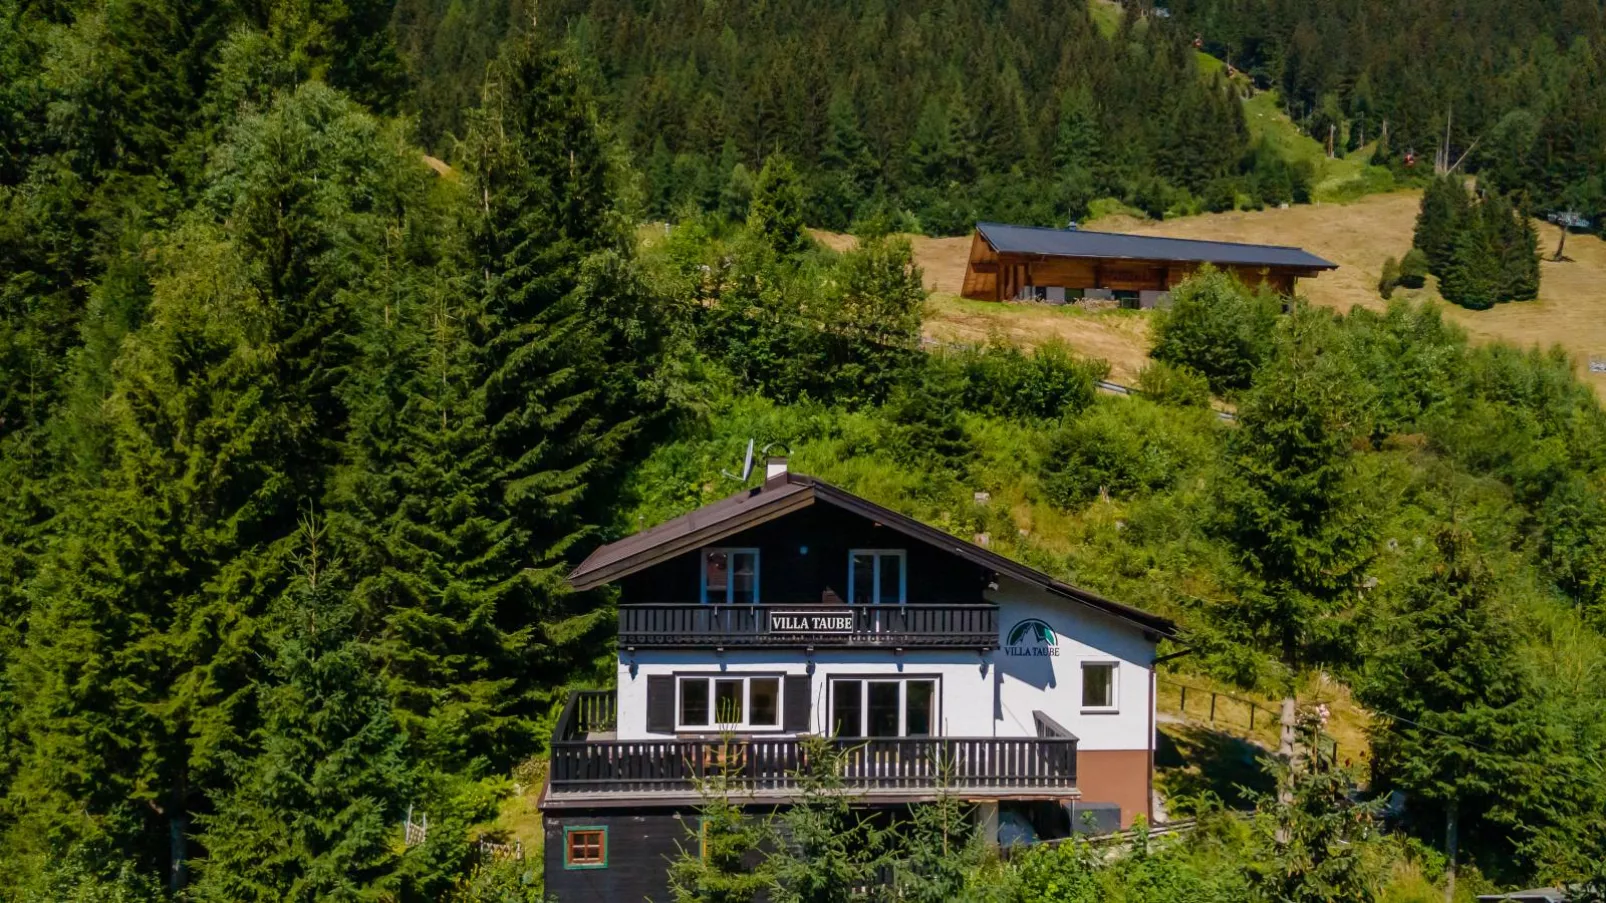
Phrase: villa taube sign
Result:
[834,622]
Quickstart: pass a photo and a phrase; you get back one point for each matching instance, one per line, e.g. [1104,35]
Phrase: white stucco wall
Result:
[981,695]
[965,693]
[1053,683]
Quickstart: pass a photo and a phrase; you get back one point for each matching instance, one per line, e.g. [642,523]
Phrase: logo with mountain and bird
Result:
[1032,637]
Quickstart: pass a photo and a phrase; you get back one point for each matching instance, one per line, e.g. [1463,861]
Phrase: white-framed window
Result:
[878,576]
[730,575]
[728,702]
[1099,690]
[884,707]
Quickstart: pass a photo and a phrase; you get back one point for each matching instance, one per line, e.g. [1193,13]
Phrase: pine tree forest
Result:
[334,334]
[1510,91]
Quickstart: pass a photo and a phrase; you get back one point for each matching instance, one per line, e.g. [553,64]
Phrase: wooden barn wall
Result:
[1014,272]
[1069,272]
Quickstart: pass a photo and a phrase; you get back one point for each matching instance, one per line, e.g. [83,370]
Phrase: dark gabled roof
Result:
[793,492]
[1115,245]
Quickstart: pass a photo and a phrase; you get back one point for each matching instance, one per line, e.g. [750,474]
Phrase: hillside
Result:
[1570,312]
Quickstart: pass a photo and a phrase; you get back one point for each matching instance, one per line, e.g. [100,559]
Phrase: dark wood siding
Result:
[640,848]
[788,575]
[797,699]
[661,703]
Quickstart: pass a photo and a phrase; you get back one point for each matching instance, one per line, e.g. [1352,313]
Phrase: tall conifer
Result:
[1458,712]
[224,420]
[1440,219]
[314,812]
[1294,503]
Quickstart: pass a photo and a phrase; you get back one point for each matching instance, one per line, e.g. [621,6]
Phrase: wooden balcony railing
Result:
[761,765]
[944,626]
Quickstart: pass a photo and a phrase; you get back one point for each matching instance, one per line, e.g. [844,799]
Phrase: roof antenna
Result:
[747,466]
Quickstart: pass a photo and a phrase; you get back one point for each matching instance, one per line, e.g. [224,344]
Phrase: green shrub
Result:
[1221,195]
[1125,446]
[1178,385]
[1218,327]
[1414,269]
[1390,277]
[1001,379]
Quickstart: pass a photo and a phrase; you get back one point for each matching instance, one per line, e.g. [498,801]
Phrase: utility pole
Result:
[1441,160]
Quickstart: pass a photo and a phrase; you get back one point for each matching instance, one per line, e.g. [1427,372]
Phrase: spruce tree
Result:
[938,849]
[1520,257]
[722,859]
[1458,713]
[418,516]
[1077,143]
[1295,505]
[1311,840]
[848,170]
[827,847]
[223,421]
[1473,277]
[931,152]
[1440,220]
[314,812]
[776,214]
[566,346]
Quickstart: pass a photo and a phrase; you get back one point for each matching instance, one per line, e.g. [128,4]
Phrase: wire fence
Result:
[1234,714]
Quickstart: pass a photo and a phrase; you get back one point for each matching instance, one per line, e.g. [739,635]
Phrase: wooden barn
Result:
[1019,263]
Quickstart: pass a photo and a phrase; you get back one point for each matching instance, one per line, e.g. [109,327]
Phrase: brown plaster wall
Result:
[1119,776]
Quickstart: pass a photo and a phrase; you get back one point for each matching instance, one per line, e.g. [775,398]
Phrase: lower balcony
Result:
[914,625]
[590,766]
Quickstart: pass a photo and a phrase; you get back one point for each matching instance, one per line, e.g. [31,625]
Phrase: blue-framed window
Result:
[730,576]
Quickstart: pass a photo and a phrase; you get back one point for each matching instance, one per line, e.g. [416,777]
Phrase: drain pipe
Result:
[1154,670]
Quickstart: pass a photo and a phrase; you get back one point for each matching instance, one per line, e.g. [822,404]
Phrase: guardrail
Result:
[697,626]
[1105,385]
[771,765]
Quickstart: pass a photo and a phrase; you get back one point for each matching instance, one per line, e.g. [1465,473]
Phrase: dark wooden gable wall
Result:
[805,553]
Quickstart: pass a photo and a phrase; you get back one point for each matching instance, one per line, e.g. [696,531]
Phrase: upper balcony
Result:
[718,626]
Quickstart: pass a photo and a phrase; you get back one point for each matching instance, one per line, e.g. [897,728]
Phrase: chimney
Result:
[774,472]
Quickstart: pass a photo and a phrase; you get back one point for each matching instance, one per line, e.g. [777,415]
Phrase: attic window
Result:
[878,576]
[730,576]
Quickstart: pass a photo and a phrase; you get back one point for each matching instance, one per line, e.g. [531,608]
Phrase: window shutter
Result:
[798,699]
[661,704]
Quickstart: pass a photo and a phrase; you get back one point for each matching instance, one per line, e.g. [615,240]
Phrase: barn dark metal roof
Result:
[1116,245]
[792,492]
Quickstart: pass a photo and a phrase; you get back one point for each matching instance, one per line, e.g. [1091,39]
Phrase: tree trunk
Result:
[1285,752]
[178,829]
[1285,744]
[1452,841]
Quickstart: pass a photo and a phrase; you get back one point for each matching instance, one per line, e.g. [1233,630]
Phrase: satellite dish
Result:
[747,466]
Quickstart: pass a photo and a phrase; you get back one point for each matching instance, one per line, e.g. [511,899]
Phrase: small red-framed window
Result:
[585,847]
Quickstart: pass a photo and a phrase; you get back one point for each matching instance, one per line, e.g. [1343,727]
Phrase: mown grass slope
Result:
[1358,235]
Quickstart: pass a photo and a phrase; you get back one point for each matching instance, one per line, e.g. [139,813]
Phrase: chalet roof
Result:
[1116,245]
[793,492]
